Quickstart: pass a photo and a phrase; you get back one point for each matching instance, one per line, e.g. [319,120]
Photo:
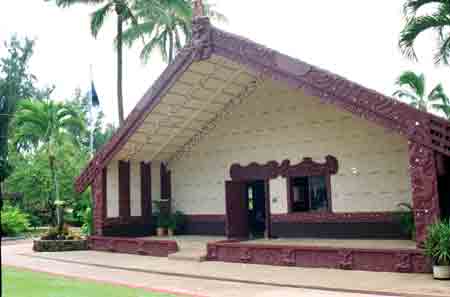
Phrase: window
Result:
[309,193]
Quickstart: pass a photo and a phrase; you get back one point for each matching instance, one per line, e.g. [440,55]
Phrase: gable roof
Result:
[418,126]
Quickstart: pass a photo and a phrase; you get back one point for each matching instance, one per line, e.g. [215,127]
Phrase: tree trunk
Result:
[170,48]
[60,220]
[119,68]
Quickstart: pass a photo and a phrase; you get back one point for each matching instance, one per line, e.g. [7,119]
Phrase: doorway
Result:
[444,186]
[247,209]
[256,205]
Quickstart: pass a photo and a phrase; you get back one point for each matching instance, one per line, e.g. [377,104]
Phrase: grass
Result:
[25,283]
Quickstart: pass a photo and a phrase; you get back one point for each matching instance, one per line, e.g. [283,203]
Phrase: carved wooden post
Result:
[99,196]
[422,167]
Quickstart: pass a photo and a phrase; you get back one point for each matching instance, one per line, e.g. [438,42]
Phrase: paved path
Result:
[221,279]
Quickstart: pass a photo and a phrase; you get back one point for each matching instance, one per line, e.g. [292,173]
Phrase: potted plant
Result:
[172,225]
[437,247]
[161,224]
[176,222]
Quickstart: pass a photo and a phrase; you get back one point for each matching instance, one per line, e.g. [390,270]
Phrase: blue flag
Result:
[93,95]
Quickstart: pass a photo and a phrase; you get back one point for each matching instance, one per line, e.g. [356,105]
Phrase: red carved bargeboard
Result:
[388,260]
[156,248]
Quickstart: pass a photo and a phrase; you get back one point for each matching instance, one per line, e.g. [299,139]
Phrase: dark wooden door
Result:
[237,210]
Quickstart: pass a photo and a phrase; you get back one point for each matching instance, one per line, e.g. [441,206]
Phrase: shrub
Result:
[87,227]
[407,219]
[437,243]
[14,221]
[53,233]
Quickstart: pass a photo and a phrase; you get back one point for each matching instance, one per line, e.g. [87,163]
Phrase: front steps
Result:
[189,254]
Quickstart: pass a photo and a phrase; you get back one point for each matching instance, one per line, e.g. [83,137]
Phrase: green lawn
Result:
[24,283]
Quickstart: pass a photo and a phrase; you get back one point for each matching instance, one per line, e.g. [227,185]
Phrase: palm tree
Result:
[443,105]
[413,88]
[123,11]
[46,125]
[438,20]
[165,25]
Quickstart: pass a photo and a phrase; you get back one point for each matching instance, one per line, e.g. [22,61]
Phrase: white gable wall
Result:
[112,190]
[276,123]
[135,189]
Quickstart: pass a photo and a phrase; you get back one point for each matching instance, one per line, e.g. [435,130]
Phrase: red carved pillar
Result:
[99,196]
[423,171]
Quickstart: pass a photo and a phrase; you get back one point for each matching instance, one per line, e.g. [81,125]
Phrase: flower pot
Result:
[170,232]
[160,231]
[441,272]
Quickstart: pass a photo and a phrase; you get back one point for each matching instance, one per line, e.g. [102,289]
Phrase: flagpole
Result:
[91,115]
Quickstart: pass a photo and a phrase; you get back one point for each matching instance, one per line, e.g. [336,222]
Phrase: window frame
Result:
[290,195]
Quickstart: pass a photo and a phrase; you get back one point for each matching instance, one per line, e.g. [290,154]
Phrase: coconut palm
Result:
[413,88]
[440,101]
[46,125]
[165,26]
[438,20]
[124,14]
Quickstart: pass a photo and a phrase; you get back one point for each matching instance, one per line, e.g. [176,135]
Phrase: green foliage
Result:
[14,221]
[438,20]
[177,221]
[163,220]
[164,26]
[32,177]
[412,87]
[407,219]
[16,83]
[88,225]
[437,243]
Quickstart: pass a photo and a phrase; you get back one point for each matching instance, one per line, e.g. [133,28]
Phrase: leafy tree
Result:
[165,26]
[32,177]
[124,14]
[16,83]
[438,21]
[46,125]
[413,88]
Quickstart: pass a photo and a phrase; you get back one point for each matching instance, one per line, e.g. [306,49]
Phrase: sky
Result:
[357,39]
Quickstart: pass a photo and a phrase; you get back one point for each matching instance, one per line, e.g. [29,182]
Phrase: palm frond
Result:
[417,25]
[67,3]
[134,33]
[415,82]
[411,7]
[442,54]
[98,18]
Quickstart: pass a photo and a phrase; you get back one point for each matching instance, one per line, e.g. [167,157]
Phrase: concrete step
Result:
[195,255]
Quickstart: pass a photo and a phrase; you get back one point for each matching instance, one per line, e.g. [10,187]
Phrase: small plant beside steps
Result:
[437,247]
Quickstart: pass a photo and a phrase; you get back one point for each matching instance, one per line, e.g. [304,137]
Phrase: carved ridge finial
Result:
[198,9]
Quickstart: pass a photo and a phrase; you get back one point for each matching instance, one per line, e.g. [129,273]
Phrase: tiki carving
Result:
[347,260]
[201,38]
[425,198]
[404,262]
[98,194]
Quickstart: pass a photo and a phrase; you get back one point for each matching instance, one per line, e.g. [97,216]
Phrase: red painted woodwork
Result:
[389,260]
[99,199]
[236,224]
[329,217]
[124,189]
[424,188]
[273,169]
[156,248]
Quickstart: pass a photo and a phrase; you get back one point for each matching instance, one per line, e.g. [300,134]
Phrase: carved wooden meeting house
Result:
[249,142]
